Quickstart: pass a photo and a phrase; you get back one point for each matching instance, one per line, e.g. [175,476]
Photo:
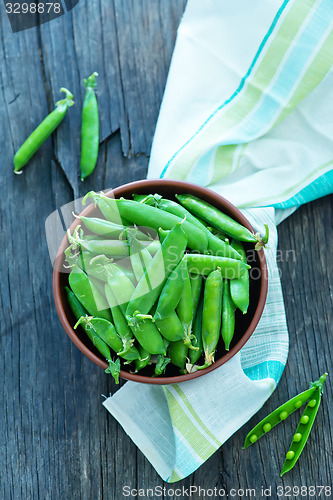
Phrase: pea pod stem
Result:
[43,131]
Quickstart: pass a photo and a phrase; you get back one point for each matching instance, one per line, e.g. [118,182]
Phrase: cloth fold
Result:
[247,113]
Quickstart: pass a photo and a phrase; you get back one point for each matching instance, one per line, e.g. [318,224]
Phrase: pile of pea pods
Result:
[155,281]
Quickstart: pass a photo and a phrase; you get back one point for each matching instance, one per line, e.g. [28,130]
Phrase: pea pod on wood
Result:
[89,128]
[304,428]
[43,131]
[280,414]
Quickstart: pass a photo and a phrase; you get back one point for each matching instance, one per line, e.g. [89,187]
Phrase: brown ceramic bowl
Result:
[245,324]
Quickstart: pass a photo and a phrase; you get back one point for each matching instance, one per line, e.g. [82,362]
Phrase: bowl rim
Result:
[197,190]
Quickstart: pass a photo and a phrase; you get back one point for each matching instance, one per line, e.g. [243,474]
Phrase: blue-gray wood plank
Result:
[57,441]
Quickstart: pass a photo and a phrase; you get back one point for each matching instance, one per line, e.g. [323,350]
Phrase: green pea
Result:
[304,419]
[298,404]
[267,427]
[253,438]
[283,415]
[312,403]
[297,437]
[290,455]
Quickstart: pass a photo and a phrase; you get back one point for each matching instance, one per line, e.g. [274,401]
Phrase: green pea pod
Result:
[139,255]
[216,218]
[215,245]
[147,334]
[163,263]
[195,355]
[109,213]
[221,221]
[43,131]
[304,428]
[185,308]
[120,323]
[177,352]
[122,287]
[205,264]
[171,328]
[101,346]
[163,233]
[211,315]
[171,292]
[145,215]
[196,286]
[112,248]
[228,316]
[102,227]
[87,294]
[144,359]
[281,413]
[79,311]
[93,265]
[89,128]
[107,332]
[98,284]
[145,198]
[240,287]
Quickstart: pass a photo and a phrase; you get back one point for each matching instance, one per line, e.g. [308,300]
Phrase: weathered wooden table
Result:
[57,440]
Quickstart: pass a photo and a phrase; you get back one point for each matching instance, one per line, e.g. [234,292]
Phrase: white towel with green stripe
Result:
[247,113]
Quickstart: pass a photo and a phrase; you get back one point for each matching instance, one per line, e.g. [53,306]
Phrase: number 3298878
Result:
[33,8]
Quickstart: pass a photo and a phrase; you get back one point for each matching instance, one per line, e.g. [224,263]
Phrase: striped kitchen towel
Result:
[246,112]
